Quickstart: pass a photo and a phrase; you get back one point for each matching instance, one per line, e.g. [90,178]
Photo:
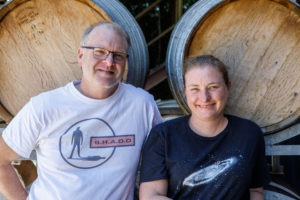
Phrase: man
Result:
[109,119]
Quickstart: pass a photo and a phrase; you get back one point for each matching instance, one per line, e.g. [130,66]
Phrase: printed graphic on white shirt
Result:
[90,143]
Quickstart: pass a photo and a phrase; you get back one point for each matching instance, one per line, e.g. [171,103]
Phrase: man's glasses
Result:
[102,54]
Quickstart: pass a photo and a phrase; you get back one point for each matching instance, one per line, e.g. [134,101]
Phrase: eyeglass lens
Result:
[100,53]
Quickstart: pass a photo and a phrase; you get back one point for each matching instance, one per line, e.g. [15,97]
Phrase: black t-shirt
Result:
[196,167]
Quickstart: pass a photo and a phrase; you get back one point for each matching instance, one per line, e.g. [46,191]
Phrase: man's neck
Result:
[95,92]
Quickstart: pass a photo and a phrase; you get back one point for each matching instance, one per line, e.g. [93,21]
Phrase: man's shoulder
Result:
[51,95]
[136,92]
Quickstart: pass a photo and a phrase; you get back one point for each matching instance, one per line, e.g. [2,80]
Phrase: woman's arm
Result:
[154,190]
[256,193]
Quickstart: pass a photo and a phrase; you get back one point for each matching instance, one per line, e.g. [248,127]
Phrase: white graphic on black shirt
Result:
[209,173]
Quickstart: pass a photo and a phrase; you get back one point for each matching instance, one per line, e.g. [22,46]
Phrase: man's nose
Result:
[109,59]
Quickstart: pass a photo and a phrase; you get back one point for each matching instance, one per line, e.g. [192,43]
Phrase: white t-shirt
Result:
[86,148]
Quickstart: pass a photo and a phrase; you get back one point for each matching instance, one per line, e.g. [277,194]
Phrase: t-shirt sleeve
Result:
[22,132]
[153,165]
[260,171]
[156,117]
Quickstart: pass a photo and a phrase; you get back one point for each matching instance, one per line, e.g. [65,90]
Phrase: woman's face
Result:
[206,92]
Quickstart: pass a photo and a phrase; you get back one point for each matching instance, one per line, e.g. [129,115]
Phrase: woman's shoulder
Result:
[175,123]
[240,120]
[170,128]
[244,125]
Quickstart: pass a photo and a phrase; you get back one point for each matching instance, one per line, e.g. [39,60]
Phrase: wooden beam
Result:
[147,9]
[156,76]
[161,35]
[178,10]
[283,150]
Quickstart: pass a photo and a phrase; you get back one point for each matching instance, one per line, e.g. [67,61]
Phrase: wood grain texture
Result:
[38,46]
[27,170]
[260,43]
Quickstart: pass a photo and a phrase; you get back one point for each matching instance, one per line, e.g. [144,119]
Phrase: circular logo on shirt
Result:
[90,143]
[86,143]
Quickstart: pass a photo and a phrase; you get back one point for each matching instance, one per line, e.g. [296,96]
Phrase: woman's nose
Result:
[204,95]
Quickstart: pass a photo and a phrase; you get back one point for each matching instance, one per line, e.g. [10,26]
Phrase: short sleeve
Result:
[151,113]
[22,132]
[157,119]
[260,171]
[153,165]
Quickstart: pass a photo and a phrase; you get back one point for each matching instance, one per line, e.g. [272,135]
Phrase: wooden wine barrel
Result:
[39,41]
[259,41]
[27,171]
[277,190]
[169,109]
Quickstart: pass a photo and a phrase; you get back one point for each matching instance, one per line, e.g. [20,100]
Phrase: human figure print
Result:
[77,140]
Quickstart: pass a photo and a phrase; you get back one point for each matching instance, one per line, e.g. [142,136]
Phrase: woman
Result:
[206,155]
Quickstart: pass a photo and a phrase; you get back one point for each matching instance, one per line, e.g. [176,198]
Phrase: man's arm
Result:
[154,190]
[10,185]
[256,193]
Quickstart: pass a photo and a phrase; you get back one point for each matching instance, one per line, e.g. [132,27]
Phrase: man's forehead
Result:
[105,30]
[104,33]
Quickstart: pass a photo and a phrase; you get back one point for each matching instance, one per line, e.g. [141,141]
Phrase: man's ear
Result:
[80,55]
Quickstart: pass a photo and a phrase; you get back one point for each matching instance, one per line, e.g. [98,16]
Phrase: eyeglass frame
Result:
[112,52]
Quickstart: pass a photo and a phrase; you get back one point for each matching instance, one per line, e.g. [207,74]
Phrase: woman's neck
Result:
[208,128]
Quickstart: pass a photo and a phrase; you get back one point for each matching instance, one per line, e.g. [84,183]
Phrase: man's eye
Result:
[213,87]
[100,52]
[118,56]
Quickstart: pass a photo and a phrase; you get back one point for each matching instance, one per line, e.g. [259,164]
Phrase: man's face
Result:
[105,73]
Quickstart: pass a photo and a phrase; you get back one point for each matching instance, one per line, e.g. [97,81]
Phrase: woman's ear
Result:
[229,85]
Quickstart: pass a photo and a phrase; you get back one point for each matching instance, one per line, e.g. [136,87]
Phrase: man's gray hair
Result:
[116,27]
